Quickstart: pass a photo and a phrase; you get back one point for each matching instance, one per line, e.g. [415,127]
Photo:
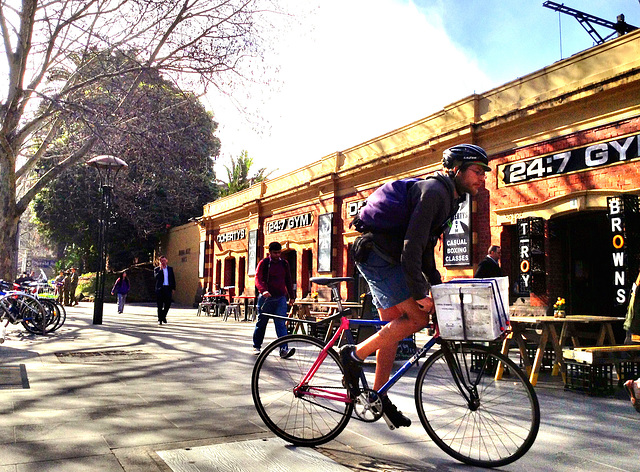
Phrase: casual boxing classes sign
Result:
[457,237]
[575,160]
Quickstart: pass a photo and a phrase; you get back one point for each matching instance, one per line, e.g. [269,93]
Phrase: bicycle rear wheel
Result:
[30,312]
[308,418]
[494,428]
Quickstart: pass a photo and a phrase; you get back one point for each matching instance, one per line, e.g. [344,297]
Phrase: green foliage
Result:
[238,175]
[167,139]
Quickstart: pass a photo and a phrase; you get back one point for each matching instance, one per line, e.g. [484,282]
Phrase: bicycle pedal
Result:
[389,423]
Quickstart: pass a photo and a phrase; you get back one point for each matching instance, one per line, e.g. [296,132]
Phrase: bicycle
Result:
[56,313]
[464,410]
[21,307]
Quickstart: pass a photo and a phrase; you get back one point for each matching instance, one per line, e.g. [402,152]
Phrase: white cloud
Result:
[352,70]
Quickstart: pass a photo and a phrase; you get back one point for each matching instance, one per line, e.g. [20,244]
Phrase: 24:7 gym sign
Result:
[575,160]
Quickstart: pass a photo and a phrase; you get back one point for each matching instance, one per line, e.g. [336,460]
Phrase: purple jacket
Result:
[121,286]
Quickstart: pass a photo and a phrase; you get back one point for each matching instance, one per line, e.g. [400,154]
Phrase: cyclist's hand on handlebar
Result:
[426,304]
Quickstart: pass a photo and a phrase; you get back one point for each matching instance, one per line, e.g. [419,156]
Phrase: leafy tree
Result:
[49,48]
[167,141]
[238,175]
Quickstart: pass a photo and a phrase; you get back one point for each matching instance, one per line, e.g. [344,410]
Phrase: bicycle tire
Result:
[500,430]
[63,314]
[30,312]
[301,420]
[57,315]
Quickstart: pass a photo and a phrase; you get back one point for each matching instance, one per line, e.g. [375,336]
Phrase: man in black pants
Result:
[165,285]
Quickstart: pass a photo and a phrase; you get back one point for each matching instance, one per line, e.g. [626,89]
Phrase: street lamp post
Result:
[108,167]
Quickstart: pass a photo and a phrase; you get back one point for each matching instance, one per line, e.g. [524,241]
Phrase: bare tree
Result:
[49,45]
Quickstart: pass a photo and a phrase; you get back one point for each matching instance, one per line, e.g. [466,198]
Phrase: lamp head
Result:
[108,167]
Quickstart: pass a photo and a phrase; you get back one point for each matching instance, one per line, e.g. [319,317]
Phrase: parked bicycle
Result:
[465,411]
[20,307]
[45,293]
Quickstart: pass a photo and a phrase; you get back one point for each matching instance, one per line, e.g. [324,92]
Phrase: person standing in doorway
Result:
[165,285]
[490,265]
[121,289]
[274,286]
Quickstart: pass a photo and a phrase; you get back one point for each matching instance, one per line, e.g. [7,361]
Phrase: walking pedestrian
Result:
[58,283]
[73,287]
[165,285]
[121,289]
[274,285]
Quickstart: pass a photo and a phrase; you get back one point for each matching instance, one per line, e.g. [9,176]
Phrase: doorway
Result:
[292,258]
[230,272]
[307,272]
[586,267]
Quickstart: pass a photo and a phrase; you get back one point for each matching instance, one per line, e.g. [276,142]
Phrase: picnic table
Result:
[572,327]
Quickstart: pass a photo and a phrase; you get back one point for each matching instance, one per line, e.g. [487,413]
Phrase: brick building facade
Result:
[562,141]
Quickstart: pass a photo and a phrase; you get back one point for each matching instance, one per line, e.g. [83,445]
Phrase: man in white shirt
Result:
[165,285]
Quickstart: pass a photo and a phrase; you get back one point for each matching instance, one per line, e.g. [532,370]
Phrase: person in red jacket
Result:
[274,284]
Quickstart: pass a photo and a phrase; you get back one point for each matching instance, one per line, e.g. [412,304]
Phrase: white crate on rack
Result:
[472,309]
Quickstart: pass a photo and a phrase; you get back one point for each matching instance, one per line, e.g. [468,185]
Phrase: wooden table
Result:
[547,325]
[245,300]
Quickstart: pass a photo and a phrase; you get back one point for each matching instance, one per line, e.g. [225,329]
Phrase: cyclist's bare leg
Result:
[405,318]
[386,355]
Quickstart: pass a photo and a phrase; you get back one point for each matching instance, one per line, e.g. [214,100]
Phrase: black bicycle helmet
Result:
[463,155]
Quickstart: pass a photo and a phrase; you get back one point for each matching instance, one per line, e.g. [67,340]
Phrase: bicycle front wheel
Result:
[493,423]
[304,415]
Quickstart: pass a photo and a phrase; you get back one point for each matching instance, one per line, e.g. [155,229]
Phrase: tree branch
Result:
[22,204]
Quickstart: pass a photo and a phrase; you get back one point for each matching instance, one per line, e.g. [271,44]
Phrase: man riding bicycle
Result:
[399,264]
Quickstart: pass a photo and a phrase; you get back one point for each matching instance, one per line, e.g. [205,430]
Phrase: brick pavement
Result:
[117,396]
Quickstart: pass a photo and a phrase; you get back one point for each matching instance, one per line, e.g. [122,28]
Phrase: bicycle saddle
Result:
[329,280]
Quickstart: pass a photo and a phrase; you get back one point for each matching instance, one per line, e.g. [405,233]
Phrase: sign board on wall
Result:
[354,207]
[575,160]
[293,222]
[623,218]
[232,236]
[532,277]
[253,252]
[457,237]
[325,242]
[201,259]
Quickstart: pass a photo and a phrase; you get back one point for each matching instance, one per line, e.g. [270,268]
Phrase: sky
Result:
[347,71]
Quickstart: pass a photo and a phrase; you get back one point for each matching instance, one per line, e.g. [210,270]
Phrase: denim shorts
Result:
[386,281]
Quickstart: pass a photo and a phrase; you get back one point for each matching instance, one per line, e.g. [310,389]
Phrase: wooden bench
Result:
[604,354]
[590,369]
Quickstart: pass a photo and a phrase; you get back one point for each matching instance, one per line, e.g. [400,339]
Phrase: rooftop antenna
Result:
[587,21]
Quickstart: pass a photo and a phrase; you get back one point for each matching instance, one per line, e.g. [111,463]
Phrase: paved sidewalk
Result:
[129,395]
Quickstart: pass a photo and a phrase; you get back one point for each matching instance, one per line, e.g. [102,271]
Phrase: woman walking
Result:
[121,288]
